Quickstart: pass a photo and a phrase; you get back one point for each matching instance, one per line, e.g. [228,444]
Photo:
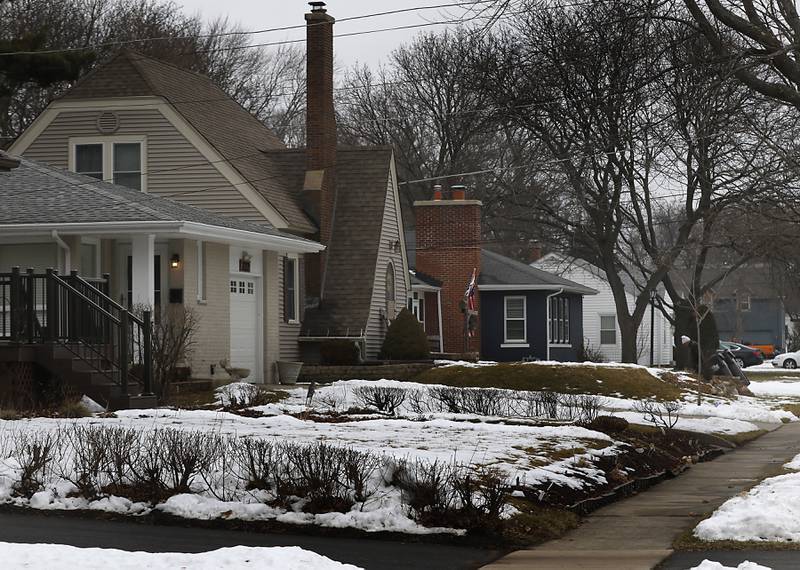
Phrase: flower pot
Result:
[288,372]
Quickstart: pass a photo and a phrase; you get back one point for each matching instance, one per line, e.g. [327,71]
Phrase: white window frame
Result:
[614,318]
[108,143]
[416,304]
[296,259]
[98,258]
[559,322]
[515,343]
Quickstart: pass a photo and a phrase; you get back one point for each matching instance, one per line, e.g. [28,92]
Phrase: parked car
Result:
[743,355]
[786,360]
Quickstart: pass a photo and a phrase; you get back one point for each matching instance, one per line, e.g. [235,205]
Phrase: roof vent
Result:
[108,123]
[317,6]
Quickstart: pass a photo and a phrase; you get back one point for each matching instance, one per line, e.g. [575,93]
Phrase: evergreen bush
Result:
[405,339]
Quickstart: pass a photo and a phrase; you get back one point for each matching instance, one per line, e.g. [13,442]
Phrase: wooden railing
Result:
[81,317]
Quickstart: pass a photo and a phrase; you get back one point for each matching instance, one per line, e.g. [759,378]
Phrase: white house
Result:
[600,328]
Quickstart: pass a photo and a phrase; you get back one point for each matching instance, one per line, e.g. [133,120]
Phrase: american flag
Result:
[470,292]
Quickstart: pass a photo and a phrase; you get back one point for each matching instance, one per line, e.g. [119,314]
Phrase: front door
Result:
[244,324]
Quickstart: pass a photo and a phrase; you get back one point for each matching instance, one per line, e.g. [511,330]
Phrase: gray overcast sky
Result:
[369,49]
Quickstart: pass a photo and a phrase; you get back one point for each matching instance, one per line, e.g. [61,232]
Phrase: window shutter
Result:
[285,290]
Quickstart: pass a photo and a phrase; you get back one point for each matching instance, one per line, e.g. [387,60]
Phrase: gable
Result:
[174,167]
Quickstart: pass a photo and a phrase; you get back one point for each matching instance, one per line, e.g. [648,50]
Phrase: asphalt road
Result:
[366,553]
[775,559]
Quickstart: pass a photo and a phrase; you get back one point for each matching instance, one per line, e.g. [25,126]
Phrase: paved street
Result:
[368,554]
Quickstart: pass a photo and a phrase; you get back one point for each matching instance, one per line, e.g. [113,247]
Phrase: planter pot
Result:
[288,372]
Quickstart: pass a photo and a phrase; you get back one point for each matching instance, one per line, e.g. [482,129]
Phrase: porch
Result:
[71,328]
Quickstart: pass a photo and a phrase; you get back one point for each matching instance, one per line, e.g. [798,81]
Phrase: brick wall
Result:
[448,249]
[323,373]
[320,134]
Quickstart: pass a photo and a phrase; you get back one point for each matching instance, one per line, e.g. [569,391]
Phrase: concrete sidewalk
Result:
[637,533]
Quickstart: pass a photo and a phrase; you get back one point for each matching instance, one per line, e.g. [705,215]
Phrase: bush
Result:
[405,339]
[608,424]
[588,353]
[384,399]
[339,352]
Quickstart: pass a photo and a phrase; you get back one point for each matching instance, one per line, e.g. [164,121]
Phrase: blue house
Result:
[521,312]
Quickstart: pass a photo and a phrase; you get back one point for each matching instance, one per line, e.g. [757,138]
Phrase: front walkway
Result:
[638,532]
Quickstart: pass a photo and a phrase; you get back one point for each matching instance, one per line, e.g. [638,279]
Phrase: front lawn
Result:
[623,381]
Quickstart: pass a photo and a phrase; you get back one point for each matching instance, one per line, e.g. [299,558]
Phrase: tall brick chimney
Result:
[448,249]
[320,180]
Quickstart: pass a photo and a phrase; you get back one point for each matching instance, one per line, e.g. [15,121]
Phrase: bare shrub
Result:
[359,468]
[36,453]
[418,401]
[549,402]
[89,462]
[425,488]
[256,459]
[483,493]
[241,395]
[449,399]
[123,448]
[185,455]
[318,470]
[589,408]
[662,415]
[484,401]
[336,400]
[383,398]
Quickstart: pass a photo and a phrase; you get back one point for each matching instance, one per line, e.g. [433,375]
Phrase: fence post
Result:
[124,323]
[15,300]
[106,285]
[147,373]
[74,310]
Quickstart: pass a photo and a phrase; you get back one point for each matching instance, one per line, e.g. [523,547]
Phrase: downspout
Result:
[439,310]
[547,323]
[63,245]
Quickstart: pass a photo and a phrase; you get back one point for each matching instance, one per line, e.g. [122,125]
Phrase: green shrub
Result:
[339,352]
[405,339]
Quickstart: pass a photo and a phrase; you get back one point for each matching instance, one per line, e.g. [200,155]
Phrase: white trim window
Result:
[291,291]
[514,320]
[559,320]
[120,160]
[608,329]
[416,304]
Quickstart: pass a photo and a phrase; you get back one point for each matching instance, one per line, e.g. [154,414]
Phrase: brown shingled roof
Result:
[362,176]
[236,134]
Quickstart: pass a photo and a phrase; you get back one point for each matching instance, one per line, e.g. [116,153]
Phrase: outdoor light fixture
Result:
[175,262]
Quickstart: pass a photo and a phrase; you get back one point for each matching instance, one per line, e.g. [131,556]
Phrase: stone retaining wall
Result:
[399,371]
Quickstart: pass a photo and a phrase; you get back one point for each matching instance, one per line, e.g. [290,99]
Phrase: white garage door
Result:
[244,325]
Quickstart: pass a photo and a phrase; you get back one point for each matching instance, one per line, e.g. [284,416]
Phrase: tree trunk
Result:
[628,334]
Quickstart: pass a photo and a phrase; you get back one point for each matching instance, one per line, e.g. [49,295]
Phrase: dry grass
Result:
[604,381]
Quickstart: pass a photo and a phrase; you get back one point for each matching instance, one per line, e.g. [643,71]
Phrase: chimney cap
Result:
[317,6]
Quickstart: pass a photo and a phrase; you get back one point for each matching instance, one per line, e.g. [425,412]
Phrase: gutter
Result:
[67,253]
[547,323]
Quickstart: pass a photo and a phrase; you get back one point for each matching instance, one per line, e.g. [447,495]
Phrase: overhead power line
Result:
[263,31]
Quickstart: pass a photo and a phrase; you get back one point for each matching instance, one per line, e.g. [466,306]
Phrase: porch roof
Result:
[38,198]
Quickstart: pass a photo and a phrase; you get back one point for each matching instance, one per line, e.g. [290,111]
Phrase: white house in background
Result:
[600,328]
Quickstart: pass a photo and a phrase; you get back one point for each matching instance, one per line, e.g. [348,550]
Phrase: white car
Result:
[786,360]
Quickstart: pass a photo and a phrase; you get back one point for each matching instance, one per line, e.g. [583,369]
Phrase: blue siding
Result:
[493,333]
[762,324]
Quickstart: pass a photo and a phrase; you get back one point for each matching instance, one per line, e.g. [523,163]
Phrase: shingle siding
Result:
[289,332]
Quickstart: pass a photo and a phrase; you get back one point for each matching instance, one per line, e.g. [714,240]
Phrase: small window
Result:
[241,287]
[744,302]
[250,288]
[290,293]
[128,165]
[559,320]
[608,329]
[89,160]
[233,286]
[515,314]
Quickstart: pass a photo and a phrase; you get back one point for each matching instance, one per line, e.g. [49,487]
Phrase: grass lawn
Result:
[626,382]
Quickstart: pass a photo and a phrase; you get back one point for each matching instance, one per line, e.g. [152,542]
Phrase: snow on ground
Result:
[746,565]
[63,557]
[769,512]
[776,388]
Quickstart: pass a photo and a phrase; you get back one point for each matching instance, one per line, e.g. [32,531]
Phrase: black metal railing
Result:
[79,315]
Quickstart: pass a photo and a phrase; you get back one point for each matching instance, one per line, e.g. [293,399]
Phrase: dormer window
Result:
[113,159]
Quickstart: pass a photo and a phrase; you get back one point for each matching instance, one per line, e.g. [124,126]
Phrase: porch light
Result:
[175,261]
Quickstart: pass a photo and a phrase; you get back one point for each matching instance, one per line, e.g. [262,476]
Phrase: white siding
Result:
[173,163]
[595,306]
[391,233]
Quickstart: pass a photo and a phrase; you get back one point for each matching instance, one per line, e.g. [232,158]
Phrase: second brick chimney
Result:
[449,249]
[320,179]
